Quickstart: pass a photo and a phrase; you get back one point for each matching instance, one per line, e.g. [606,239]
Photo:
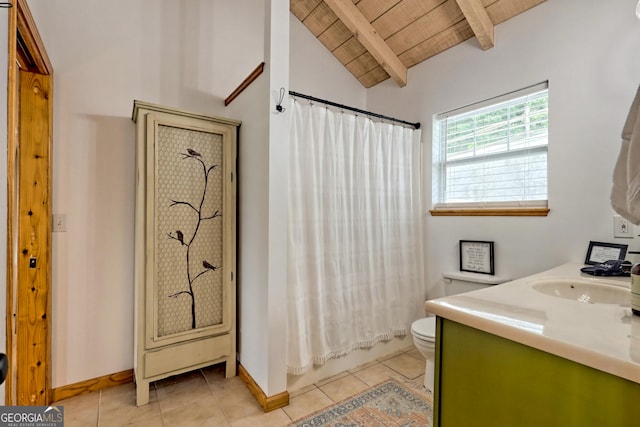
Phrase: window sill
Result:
[491,212]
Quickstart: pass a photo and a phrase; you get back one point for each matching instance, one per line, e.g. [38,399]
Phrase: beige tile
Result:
[125,394]
[177,379]
[236,401]
[226,385]
[332,379]
[154,421]
[407,365]
[416,353]
[365,366]
[302,390]
[277,418]
[81,410]
[182,390]
[343,388]
[307,403]
[376,374]
[392,355]
[118,406]
[199,413]
[207,398]
[215,373]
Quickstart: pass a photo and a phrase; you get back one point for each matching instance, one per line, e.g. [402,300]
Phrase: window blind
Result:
[493,153]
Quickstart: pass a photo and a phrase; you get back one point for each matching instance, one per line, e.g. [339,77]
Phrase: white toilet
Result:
[424,338]
[424,330]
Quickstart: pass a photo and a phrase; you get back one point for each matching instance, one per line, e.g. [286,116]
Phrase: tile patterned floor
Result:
[205,398]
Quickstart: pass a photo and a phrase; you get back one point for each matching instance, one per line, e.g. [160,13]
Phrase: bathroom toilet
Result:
[424,330]
[424,338]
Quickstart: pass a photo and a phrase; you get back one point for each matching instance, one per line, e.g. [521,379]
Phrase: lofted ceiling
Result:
[378,39]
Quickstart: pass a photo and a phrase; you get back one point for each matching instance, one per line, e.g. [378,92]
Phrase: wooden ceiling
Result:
[378,39]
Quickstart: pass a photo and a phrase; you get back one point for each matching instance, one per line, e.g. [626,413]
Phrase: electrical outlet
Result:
[622,227]
[59,223]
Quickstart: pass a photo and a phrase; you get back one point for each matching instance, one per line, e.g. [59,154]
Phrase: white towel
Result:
[625,194]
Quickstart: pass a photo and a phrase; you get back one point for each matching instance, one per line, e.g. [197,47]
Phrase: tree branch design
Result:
[180,237]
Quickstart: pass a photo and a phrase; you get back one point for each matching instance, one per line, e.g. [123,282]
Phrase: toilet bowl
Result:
[424,330]
[424,338]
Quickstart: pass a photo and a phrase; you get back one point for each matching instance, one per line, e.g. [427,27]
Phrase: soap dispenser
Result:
[635,289]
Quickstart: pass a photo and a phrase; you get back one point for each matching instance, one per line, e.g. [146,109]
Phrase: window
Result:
[493,155]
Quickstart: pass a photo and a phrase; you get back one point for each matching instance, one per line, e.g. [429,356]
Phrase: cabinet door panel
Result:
[486,380]
[188,284]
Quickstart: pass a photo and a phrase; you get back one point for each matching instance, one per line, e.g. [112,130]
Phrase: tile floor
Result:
[205,398]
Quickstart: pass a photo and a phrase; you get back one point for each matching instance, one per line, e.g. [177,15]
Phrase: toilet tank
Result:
[461,281]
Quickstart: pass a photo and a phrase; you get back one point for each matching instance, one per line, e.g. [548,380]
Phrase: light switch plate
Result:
[59,223]
[622,227]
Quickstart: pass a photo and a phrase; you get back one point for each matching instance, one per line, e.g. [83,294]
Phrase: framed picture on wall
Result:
[599,252]
[476,256]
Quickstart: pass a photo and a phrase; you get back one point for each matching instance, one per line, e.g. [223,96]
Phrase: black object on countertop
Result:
[613,267]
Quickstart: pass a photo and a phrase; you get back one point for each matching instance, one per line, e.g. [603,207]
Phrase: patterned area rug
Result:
[388,404]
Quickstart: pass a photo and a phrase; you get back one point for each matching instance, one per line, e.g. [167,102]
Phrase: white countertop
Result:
[603,336]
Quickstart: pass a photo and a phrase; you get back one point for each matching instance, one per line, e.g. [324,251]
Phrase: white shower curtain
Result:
[355,240]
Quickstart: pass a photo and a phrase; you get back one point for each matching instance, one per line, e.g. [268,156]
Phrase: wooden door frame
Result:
[25,51]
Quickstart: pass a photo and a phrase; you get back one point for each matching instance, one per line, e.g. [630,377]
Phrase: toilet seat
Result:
[425,328]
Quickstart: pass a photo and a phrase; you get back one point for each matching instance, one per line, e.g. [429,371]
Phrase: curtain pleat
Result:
[355,237]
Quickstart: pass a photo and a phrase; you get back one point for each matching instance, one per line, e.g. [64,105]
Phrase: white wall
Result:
[4,32]
[253,226]
[262,169]
[588,50]
[277,55]
[106,54]
[316,72]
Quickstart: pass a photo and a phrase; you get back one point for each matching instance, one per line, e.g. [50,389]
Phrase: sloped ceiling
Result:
[379,39]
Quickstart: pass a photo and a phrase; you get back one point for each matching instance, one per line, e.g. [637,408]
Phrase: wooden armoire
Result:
[185,250]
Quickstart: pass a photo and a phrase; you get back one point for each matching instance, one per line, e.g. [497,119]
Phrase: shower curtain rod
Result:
[357,110]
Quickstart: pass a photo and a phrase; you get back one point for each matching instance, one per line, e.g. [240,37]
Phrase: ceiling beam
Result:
[479,21]
[364,32]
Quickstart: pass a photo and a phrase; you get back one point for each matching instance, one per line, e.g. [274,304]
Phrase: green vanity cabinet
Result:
[485,380]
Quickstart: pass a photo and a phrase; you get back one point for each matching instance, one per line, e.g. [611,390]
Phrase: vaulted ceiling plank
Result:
[302,8]
[503,10]
[479,21]
[440,42]
[349,50]
[373,77]
[362,64]
[427,26]
[373,9]
[362,29]
[487,3]
[403,14]
[321,18]
[336,35]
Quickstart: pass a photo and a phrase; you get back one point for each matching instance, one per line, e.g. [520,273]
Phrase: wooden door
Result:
[34,236]
[29,171]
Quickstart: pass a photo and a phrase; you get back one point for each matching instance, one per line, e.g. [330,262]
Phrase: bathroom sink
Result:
[584,291]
